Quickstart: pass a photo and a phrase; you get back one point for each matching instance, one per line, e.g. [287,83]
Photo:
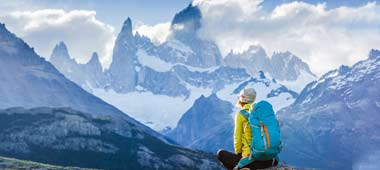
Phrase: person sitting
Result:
[242,136]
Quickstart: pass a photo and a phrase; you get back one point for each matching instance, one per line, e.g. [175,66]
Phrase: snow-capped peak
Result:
[344,69]
[94,59]
[125,36]
[253,49]
[94,65]
[333,73]
[285,57]
[342,105]
[3,28]
[190,16]
[374,53]
[329,74]
[28,81]
[127,26]
[60,51]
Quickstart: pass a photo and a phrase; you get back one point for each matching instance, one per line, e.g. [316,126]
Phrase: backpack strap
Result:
[246,110]
[244,113]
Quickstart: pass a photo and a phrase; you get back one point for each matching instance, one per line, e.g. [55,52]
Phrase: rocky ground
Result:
[11,163]
[280,168]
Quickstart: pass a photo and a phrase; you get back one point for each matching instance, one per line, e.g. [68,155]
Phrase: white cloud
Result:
[79,29]
[157,33]
[324,38]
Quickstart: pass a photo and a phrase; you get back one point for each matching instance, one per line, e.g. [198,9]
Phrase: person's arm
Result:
[238,132]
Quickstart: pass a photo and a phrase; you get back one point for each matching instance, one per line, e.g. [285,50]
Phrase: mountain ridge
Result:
[143,69]
[337,114]
[87,132]
[179,70]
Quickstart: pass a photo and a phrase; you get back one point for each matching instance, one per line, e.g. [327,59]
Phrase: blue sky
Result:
[116,11]
[269,5]
[337,31]
[150,12]
[112,12]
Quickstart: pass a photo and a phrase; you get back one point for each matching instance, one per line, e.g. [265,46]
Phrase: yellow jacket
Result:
[242,134]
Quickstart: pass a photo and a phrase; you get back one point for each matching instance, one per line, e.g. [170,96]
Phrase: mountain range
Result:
[209,123]
[47,118]
[285,67]
[172,75]
[328,113]
[331,125]
[65,113]
[336,118]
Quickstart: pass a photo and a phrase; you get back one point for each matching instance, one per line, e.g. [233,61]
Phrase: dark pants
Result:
[230,160]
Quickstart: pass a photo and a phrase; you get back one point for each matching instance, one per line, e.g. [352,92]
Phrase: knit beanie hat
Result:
[247,95]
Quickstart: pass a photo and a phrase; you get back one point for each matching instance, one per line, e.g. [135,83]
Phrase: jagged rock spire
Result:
[60,51]
[122,67]
[127,28]
[94,63]
[374,53]
[125,37]
[94,58]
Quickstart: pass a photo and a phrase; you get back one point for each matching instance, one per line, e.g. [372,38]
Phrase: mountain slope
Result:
[66,137]
[207,125]
[89,132]
[332,124]
[29,81]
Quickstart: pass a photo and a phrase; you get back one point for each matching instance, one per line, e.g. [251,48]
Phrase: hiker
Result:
[242,157]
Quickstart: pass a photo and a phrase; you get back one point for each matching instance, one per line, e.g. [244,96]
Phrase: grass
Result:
[11,163]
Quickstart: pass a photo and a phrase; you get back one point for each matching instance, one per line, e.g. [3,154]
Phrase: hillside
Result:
[66,137]
[11,163]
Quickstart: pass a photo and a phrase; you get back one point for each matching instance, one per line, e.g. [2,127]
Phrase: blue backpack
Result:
[266,137]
